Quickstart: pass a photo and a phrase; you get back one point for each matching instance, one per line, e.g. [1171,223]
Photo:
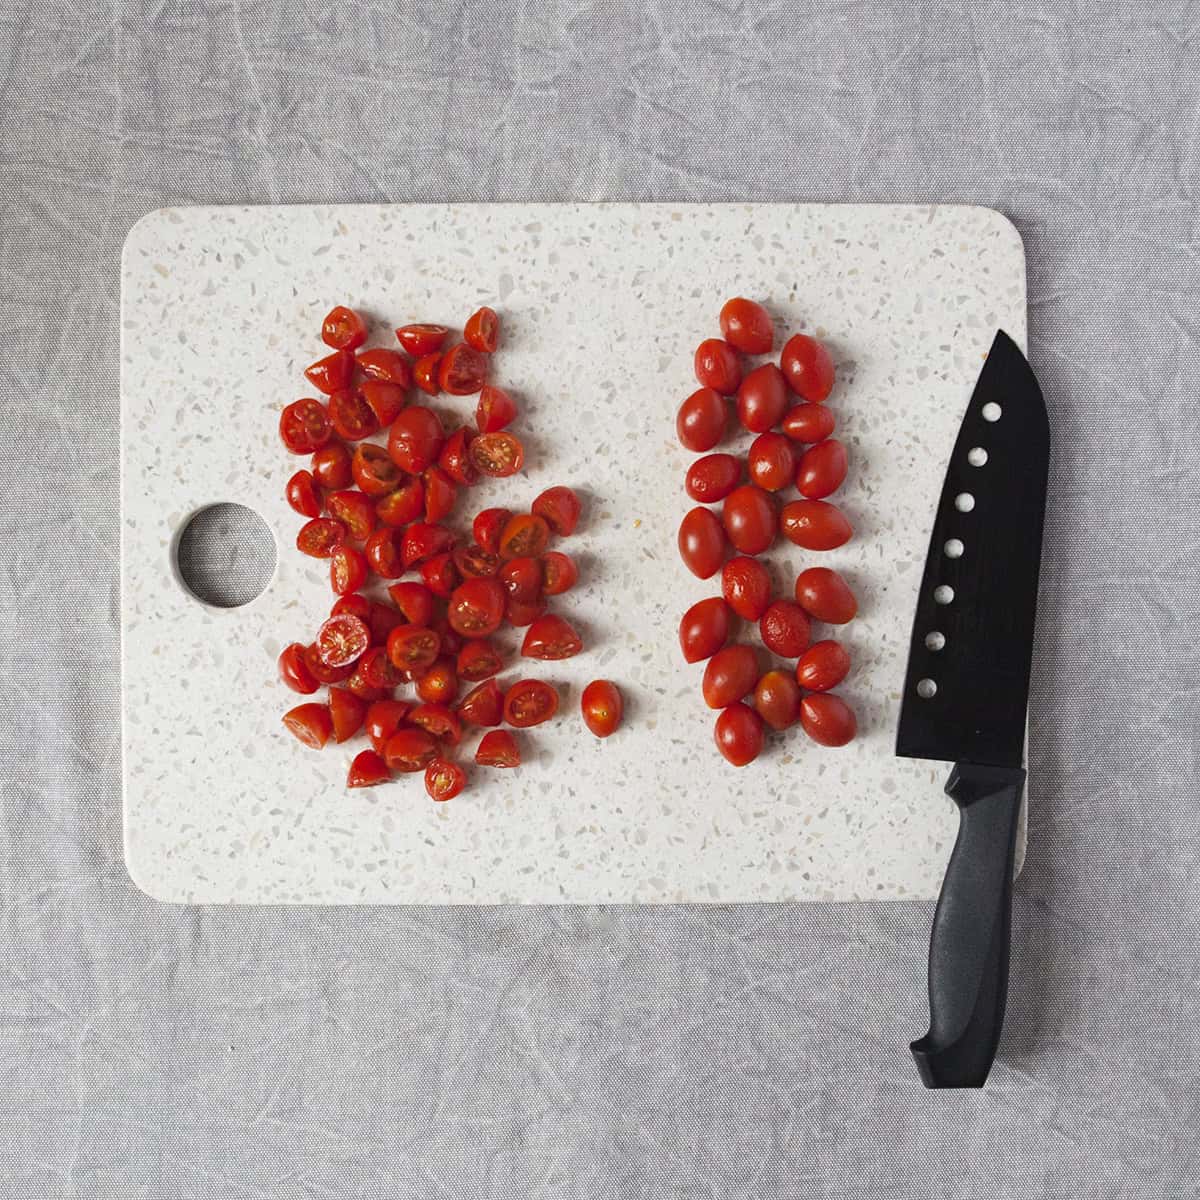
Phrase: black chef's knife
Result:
[965,696]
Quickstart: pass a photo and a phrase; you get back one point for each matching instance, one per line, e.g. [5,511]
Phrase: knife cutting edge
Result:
[965,696]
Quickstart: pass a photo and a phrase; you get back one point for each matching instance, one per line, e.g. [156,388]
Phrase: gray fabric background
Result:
[758,1052]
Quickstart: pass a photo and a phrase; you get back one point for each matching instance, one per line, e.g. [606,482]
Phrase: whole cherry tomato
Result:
[702,543]
[551,638]
[602,707]
[347,570]
[318,537]
[413,648]
[815,525]
[331,466]
[414,600]
[529,702]
[320,671]
[700,424]
[772,461]
[823,666]
[718,366]
[762,398]
[482,330]
[495,411]
[520,613]
[293,670]
[367,770]
[750,520]
[444,779]
[373,470]
[825,596]
[559,507]
[488,526]
[385,399]
[462,370]
[711,478]
[310,723]
[342,640]
[822,469]
[497,454]
[474,562]
[777,699]
[438,685]
[739,734]
[808,368]
[420,340]
[304,426]
[704,629]
[438,720]
[729,675]
[343,329]
[828,719]
[346,712]
[389,365]
[383,718]
[476,607]
[525,536]
[785,629]
[415,439]
[559,573]
[355,511]
[354,604]
[425,374]
[440,575]
[478,659]
[498,748]
[409,750]
[482,705]
[377,670]
[455,458]
[423,540]
[440,493]
[747,326]
[404,505]
[331,372]
[522,578]
[746,587]
[303,494]
[808,422]
[383,553]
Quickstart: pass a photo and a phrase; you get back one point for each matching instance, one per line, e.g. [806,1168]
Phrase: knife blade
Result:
[965,698]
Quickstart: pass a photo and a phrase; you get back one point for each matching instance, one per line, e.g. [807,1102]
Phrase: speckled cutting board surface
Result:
[601,307]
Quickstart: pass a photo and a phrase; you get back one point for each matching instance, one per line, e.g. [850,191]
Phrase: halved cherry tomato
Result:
[559,507]
[524,536]
[383,718]
[559,573]
[772,461]
[388,365]
[342,640]
[386,399]
[702,542]
[498,749]
[425,373]
[477,607]
[522,579]
[822,469]
[415,439]
[762,398]
[413,647]
[729,675]
[808,422]
[343,329]
[440,493]
[353,418]
[318,538]
[777,699]
[382,619]
[746,325]
[700,424]
[331,466]
[482,705]
[529,702]
[750,519]
[422,540]
[358,684]
[718,366]
[488,526]
[815,525]
[383,553]
[825,596]
[785,629]
[482,330]
[373,470]
[303,494]
[704,629]
[310,723]
[331,372]
[414,600]
[304,426]
[321,672]
[440,575]
[347,570]
[438,685]
[519,613]
[438,720]
[452,640]
[455,458]
[355,511]
[828,719]
[602,707]
[496,409]
[404,505]
[711,478]
[478,659]
[739,734]
[474,562]
[420,340]
[808,368]
[367,770]
[444,779]
[462,370]
[409,750]
[746,586]
[346,711]
[356,605]
[550,638]
[497,454]
[293,670]
[823,666]
[376,669]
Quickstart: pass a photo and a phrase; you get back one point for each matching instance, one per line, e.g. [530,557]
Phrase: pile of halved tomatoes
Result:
[783,404]
[378,511]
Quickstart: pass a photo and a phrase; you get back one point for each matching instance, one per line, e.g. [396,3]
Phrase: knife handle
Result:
[972,927]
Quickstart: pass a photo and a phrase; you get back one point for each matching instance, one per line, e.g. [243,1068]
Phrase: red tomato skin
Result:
[702,543]
[476,607]
[704,629]
[823,666]
[455,458]
[559,507]
[444,779]
[522,579]
[440,493]
[310,723]
[825,596]
[772,462]
[438,685]
[385,399]
[482,330]
[353,418]
[415,439]
[478,659]
[602,707]
[440,575]
[462,371]
[822,469]
[718,366]
[383,718]
[331,466]
[293,670]
[320,671]
[367,770]
[438,721]
[828,719]
[346,711]
[413,647]
[729,675]
[551,638]
[390,366]
[559,573]
[487,527]
[746,326]
[383,555]
[762,398]
[376,670]
[520,613]
[498,749]
[482,705]
[303,494]
[425,374]
[319,537]
[355,511]
[777,699]
[347,570]
[739,734]
[529,702]
[497,455]
[746,586]
[750,519]
[524,536]
[815,525]
[495,411]
[808,368]
[404,505]
[373,470]
[422,540]
[332,372]
[409,750]
[711,478]
[785,629]
[356,605]
[808,423]
[700,423]
[420,340]
[414,600]
[304,426]
[474,562]
[343,328]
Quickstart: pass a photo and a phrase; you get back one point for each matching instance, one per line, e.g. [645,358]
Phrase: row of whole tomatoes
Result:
[379,511]
[784,406]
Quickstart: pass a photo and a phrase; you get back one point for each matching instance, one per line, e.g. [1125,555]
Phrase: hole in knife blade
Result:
[953,548]
[992,411]
[935,641]
[977,456]
[943,594]
[926,689]
[964,502]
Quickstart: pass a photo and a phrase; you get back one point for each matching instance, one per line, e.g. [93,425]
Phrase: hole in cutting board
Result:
[225,555]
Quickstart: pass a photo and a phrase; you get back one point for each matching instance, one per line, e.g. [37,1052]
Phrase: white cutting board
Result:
[602,305]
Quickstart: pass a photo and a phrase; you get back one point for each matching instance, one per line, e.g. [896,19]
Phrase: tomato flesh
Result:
[383,553]
[477,607]
[353,418]
[482,705]
[409,750]
[347,570]
[498,455]
[440,493]
[425,374]
[355,511]
[524,536]
[367,770]
[529,702]
[303,494]
[413,647]
[444,779]
[440,575]
[602,707]
[342,640]
[482,330]
[319,537]
[310,724]
[487,527]
[424,539]
[388,365]
[462,370]
[498,748]
[304,426]
[373,470]
[478,659]
[559,507]
[403,505]
[385,399]
[551,637]
[496,409]
[343,328]
[420,340]
[559,573]
[414,600]
[455,458]
[293,670]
